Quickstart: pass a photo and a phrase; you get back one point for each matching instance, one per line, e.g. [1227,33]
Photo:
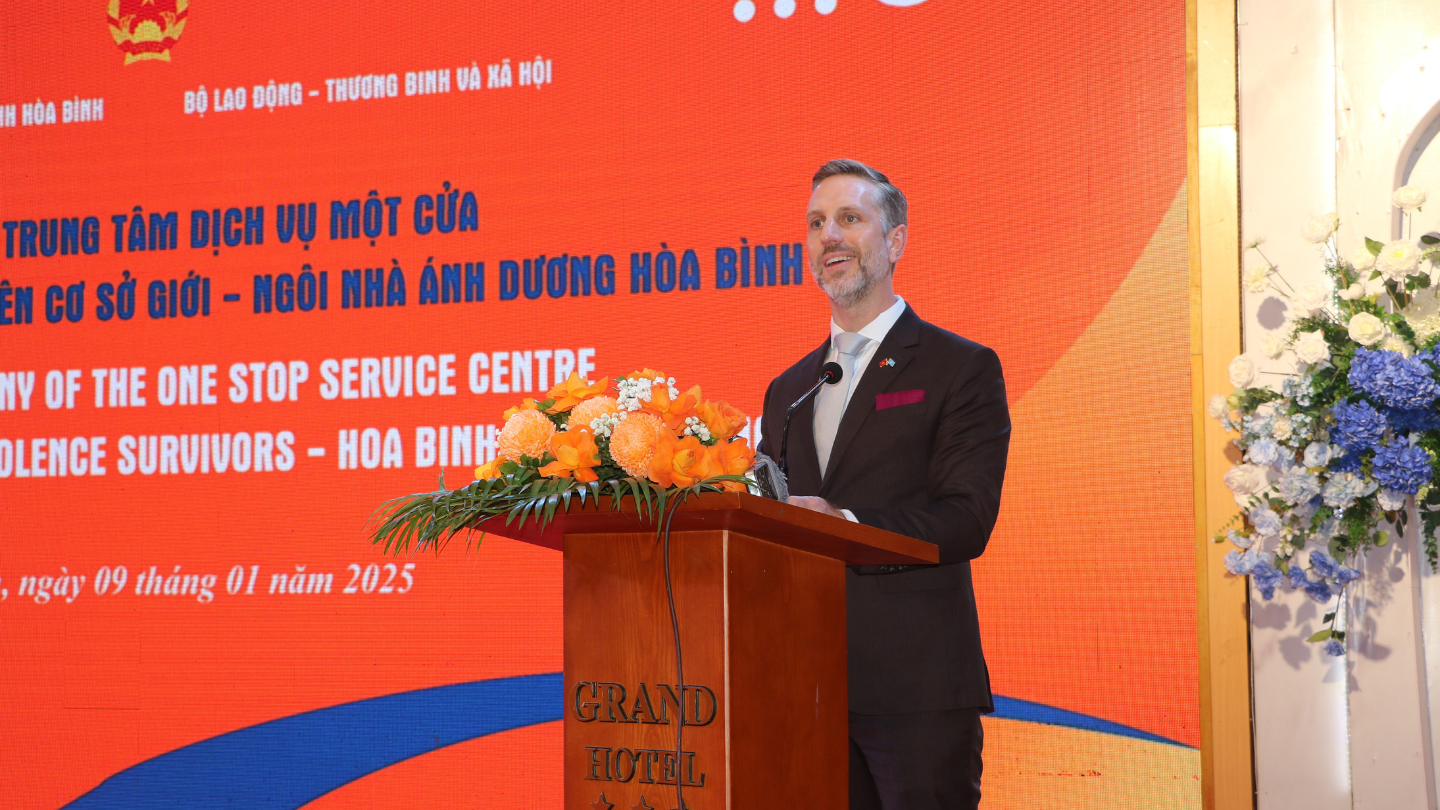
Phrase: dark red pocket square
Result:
[883,401]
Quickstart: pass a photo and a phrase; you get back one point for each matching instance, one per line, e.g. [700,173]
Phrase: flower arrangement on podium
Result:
[1336,455]
[639,438]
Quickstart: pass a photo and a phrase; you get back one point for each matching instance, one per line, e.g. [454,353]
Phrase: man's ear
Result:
[895,242]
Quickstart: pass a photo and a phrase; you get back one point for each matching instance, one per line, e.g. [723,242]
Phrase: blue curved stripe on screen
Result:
[287,763]
[1016,709]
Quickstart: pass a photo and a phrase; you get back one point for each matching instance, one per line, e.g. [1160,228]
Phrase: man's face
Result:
[850,250]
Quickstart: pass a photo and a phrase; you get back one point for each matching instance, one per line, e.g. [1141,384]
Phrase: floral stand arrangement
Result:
[1347,446]
[640,438]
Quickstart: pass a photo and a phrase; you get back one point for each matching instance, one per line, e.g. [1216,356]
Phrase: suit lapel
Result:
[899,345]
[803,459]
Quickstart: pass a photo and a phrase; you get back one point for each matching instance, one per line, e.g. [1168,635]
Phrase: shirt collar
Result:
[877,329]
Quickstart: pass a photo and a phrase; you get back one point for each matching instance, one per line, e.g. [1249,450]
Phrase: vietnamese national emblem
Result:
[147,29]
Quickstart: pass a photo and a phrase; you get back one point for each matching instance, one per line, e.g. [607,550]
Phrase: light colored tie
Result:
[830,404]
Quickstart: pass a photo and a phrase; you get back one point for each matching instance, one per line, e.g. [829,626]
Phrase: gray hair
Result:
[893,208]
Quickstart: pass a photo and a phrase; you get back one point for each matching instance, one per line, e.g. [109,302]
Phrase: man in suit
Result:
[913,439]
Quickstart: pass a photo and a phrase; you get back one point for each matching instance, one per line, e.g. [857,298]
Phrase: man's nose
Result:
[830,233]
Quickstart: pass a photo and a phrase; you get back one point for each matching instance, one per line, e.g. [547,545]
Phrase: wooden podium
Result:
[759,592]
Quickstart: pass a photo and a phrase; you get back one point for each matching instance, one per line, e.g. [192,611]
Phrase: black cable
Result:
[679,663]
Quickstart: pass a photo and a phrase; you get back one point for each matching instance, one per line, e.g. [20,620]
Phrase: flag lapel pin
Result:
[887,362]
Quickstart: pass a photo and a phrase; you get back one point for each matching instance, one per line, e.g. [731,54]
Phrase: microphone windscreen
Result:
[831,372]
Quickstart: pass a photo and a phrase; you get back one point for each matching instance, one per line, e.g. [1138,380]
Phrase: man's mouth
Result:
[834,260]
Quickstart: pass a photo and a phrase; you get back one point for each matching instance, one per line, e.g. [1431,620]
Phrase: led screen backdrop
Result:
[266,265]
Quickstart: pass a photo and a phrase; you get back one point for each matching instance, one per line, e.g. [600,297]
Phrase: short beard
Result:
[850,291]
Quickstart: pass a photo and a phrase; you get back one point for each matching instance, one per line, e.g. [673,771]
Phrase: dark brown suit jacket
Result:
[929,469]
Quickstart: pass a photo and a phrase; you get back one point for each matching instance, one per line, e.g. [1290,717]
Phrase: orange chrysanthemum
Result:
[488,470]
[583,414]
[723,419]
[632,443]
[575,454]
[681,462]
[525,433]
[574,391]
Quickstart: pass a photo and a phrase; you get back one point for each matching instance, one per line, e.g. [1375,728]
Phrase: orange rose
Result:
[678,462]
[673,411]
[574,391]
[527,405]
[734,458]
[526,433]
[723,419]
[575,454]
[489,470]
[646,374]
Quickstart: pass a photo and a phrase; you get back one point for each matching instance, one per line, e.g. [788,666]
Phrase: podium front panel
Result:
[762,630]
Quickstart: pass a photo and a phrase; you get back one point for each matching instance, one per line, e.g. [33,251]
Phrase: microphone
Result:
[830,373]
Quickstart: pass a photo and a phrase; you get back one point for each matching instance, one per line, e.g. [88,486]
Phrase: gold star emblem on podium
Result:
[601,804]
[641,805]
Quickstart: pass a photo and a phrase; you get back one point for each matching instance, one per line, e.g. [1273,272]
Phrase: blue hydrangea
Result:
[1358,426]
[1328,567]
[1239,540]
[1402,467]
[1407,421]
[1335,648]
[1317,589]
[1342,490]
[1299,389]
[1264,452]
[1298,486]
[1343,461]
[1398,381]
[1265,576]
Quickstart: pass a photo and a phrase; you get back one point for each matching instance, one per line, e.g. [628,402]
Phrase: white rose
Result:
[1242,371]
[1318,229]
[1353,293]
[1362,259]
[1244,479]
[1409,198]
[1217,407]
[1398,259]
[1395,343]
[1273,345]
[1281,428]
[1365,329]
[1257,279]
[1310,347]
[1311,299]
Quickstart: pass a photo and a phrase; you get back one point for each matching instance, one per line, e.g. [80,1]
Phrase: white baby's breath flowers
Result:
[1366,329]
[1257,278]
[604,424]
[1362,259]
[631,394]
[1242,371]
[1398,259]
[1310,347]
[1310,299]
[1409,198]
[1318,229]
[1273,345]
[695,426]
[1217,408]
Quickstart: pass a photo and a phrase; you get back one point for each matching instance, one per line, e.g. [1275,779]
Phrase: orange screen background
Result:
[1041,146]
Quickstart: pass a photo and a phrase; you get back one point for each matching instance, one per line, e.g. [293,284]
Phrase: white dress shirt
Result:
[876,331]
